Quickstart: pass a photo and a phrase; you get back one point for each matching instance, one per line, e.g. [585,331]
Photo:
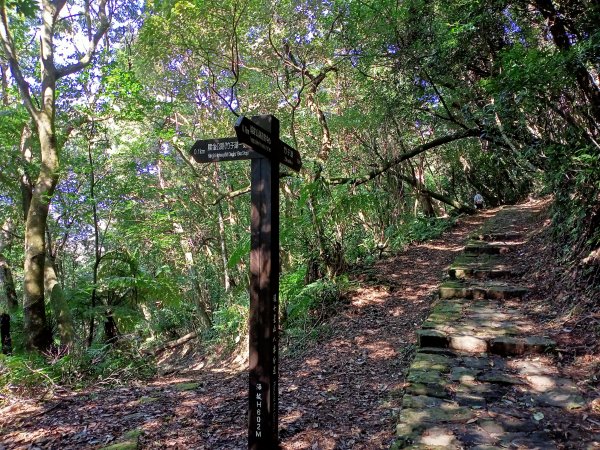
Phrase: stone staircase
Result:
[482,377]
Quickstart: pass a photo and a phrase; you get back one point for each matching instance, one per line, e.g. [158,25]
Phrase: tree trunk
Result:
[111,332]
[223,242]
[43,112]
[425,202]
[148,318]
[93,302]
[59,303]
[4,83]
[8,284]
[26,159]
[6,278]
[224,256]
[5,334]
[97,249]
[37,333]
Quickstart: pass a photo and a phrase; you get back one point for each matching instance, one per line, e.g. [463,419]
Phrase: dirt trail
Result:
[344,392]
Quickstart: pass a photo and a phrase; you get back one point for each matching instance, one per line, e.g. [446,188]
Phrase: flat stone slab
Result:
[436,351]
[531,441]
[430,390]
[462,272]
[424,376]
[496,235]
[445,413]
[421,402]
[425,437]
[438,437]
[468,266]
[464,374]
[499,377]
[429,362]
[561,399]
[471,400]
[555,391]
[456,289]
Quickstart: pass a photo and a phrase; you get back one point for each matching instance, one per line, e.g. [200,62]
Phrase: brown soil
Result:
[342,392]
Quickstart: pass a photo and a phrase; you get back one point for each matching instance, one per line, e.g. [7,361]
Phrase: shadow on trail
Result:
[342,392]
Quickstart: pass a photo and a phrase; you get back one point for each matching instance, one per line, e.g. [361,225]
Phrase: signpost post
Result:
[262,135]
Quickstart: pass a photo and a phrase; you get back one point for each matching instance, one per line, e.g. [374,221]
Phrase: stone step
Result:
[496,235]
[487,248]
[469,266]
[478,344]
[466,272]
[473,382]
[498,291]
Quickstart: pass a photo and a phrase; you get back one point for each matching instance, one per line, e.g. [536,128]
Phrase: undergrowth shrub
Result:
[418,230]
[100,364]
[172,322]
[575,180]
[230,320]
[306,308]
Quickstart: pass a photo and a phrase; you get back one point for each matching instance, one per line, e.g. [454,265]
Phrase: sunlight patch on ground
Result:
[153,424]
[443,247]
[21,408]
[380,350]
[312,439]
[313,362]
[291,416]
[368,296]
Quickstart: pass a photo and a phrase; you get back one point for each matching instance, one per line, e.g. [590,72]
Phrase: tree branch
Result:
[403,157]
[13,62]
[93,40]
[442,198]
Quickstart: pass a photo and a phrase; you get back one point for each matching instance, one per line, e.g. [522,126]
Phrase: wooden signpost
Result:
[261,134]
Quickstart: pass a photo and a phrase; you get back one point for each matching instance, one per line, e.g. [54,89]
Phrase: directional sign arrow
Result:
[255,136]
[290,157]
[221,149]
[262,141]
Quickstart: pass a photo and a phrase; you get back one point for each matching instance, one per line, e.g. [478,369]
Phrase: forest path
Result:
[344,392]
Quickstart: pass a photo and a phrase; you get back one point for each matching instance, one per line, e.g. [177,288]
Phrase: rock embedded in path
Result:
[513,346]
[430,390]
[470,344]
[438,363]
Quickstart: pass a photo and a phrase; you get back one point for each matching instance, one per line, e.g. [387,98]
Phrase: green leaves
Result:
[241,250]
[27,8]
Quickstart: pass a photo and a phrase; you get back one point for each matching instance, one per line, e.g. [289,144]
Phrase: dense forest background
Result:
[114,241]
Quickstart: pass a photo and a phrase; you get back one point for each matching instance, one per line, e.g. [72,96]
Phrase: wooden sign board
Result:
[222,149]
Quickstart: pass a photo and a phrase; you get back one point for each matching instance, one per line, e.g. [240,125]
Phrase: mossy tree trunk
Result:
[60,306]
